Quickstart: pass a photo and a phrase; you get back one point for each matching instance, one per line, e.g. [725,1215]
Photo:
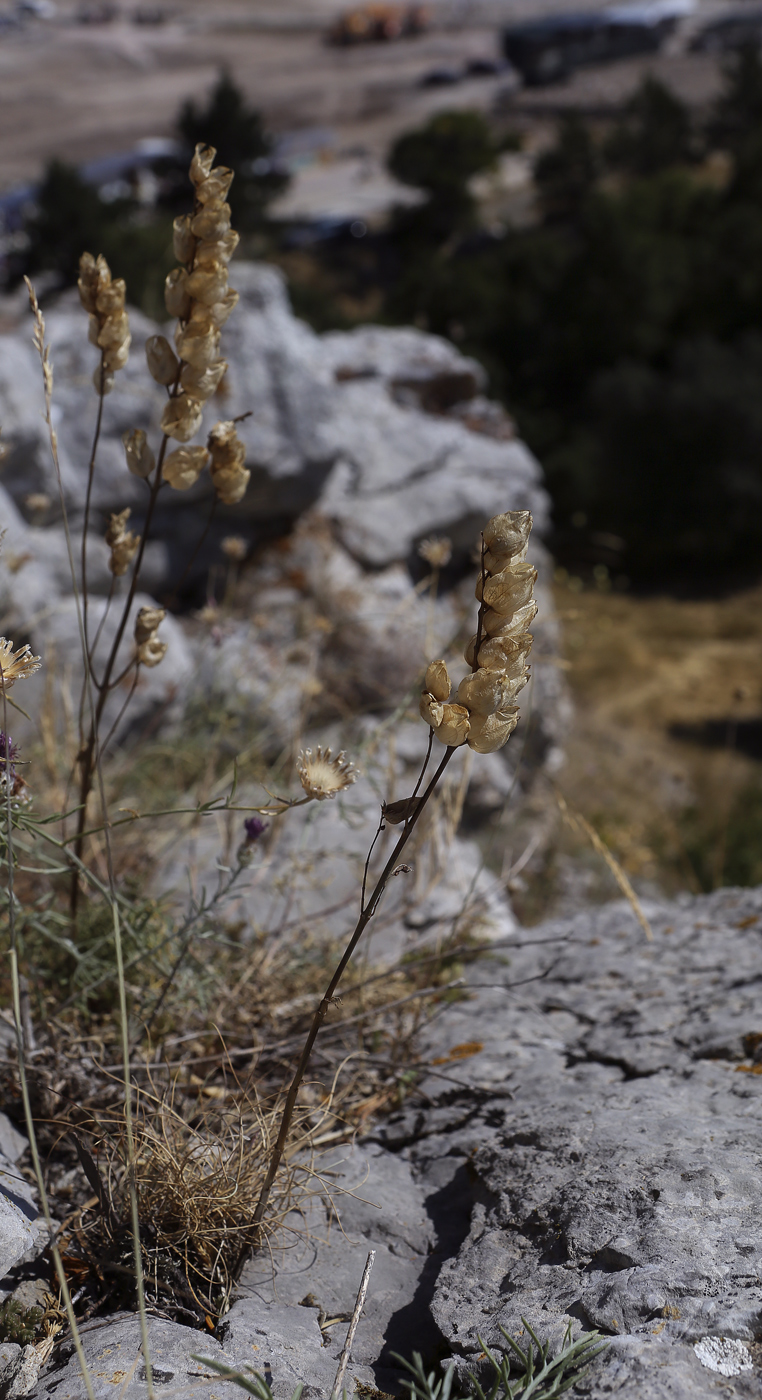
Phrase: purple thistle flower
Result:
[8,750]
[254,828]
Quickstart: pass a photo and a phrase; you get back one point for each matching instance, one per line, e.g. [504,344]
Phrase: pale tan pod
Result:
[202,383]
[431,710]
[213,221]
[497,624]
[507,654]
[455,726]
[486,692]
[103,380]
[489,732]
[208,284]
[183,467]
[140,458]
[216,249]
[152,651]
[215,186]
[437,681]
[509,532]
[202,162]
[111,297]
[163,364]
[181,418]
[117,356]
[511,589]
[114,330]
[199,349]
[230,483]
[93,329]
[147,622]
[222,309]
[183,241]
[176,298]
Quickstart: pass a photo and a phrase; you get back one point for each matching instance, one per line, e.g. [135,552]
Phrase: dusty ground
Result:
[83,91]
[667,735]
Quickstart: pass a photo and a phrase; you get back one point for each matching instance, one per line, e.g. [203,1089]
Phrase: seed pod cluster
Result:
[150,649]
[104,299]
[228,469]
[122,543]
[198,295]
[483,714]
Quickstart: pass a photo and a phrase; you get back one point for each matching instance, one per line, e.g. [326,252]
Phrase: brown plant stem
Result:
[366,915]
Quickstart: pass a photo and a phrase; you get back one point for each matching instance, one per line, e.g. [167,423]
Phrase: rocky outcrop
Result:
[582,1149]
[371,426]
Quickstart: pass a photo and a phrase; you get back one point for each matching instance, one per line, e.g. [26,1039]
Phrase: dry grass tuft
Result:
[197,1178]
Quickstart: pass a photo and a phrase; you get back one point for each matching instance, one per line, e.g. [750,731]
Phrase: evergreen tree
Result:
[242,142]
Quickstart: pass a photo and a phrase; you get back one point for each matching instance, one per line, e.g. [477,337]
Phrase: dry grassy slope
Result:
[639,669]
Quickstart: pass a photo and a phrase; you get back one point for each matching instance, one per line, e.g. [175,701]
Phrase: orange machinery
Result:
[378,23]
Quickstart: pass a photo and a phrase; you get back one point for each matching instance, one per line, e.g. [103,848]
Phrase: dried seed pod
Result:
[506,535]
[163,364]
[437,681]
[183,467]
[490,732]
[152,651]
[202,383]
[202,162]
[111,296]
[117,356]
[508,590]
[103,380]
[181,418]
[216,185]
[454,727]
[212,221]
[431,710]
[147,622]
[497,624]
[216,249]
[140,458]
[93,329]
[197,347]
[486,692]
[507,654]
[117,526]
[183,242]
[208,284]
[92,272]
[176,298]
[223,308]
[230,483]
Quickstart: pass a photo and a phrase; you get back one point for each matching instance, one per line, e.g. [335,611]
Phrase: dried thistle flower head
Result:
[322,776]
[436,550]
[16,665]
[227,468]
[234,548]
[183,467]
[122,543]
[484,715]
[140,458]
[104,298]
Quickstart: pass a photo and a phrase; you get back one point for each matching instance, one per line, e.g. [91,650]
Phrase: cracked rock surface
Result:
[584,1149]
